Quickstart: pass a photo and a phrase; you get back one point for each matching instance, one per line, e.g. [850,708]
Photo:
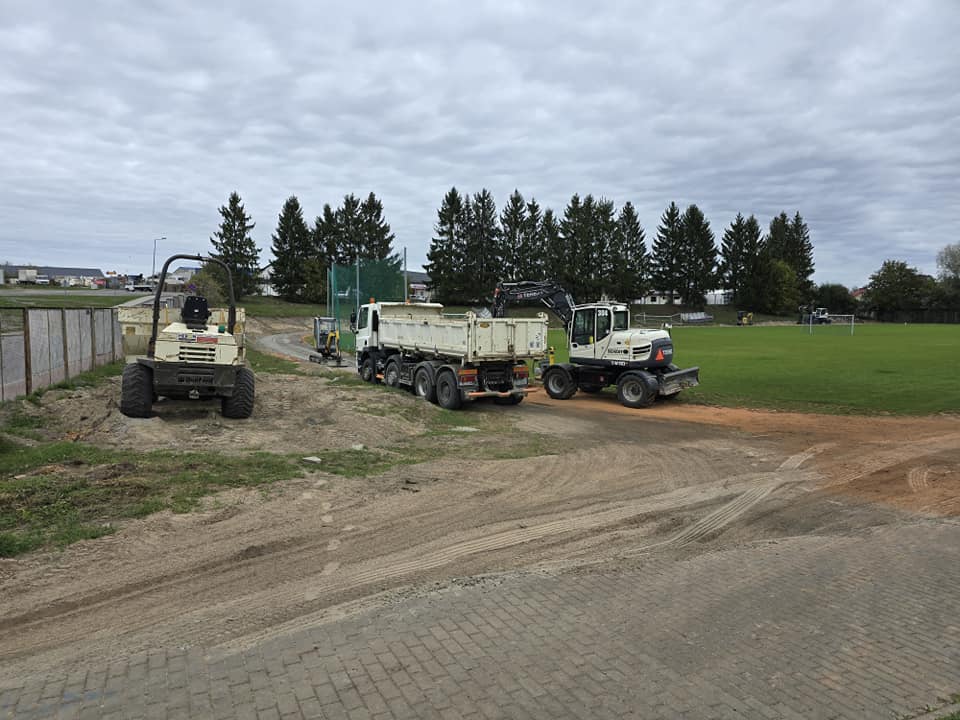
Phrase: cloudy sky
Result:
[124,122]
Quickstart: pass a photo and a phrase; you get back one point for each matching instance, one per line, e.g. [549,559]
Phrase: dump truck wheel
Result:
[448,394]
[636,390]
[391,374]
[136,391]
[558,383]
[367,371]
[424,386]
[240,404]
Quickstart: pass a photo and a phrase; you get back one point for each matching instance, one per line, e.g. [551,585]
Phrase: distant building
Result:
[63,276]
[265,281]
[659,297]
[720,297]
[418,286]
[177,280]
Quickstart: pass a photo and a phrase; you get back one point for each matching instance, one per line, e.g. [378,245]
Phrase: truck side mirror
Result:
[353,321]
[375,321]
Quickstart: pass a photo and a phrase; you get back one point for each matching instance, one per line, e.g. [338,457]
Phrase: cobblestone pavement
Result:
[861,626]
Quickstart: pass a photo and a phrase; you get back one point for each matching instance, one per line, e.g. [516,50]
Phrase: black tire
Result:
[448,394]
[590,388]
[557,382]
[512,400]
[136,391]
[368,372]
[240,404]
[423,385]
[636,390]
[391,373]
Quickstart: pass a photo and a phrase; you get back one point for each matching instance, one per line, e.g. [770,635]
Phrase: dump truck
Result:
[448,359]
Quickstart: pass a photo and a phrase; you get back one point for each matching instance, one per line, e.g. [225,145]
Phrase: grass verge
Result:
[261,362]
[60,492]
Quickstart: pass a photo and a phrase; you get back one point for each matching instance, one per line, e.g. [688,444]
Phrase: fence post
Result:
[27,362]
[93,338]
[66,345]
[114,320]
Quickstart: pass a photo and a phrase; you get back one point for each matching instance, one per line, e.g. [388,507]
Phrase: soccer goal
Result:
[833,324]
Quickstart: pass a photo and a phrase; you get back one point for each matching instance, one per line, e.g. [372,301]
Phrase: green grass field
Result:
[895,369]
[61,299]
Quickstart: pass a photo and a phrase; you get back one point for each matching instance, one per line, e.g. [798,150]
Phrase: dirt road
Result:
[504,489]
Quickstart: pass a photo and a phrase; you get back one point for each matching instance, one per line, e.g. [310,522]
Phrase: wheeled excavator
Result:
[604,350]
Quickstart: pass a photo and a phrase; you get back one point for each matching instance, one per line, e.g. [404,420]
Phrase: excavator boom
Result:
[548,292]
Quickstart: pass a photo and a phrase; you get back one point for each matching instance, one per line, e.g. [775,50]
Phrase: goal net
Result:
[837,325]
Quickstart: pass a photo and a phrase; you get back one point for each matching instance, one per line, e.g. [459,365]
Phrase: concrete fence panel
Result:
[85,320]
[38,355]
[13,366]
[40,347]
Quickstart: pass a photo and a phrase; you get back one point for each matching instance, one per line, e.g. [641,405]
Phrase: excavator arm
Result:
[548,292]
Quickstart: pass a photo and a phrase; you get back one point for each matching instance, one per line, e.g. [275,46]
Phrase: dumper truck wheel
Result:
[448,394]
[636,390]
[423,385]
[367,370]
[136,391]
[240,404]
[391,374]
[559,384]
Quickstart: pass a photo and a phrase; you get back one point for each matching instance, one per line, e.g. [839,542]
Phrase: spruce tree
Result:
[778,237]
[291,247]
[326,236]
[445,256]
[349,230]
[233,245]
[666,260]
[630,260]
[483,262]
[699,266]
[531,244]
[513,220]
[755,258]
[802,256]
[322,255]
[553,247]
[376,238]
[734,260]
[573,234]
[601,247]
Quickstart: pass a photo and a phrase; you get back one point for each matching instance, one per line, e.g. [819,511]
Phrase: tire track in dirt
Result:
[535,502]
[918,478]
[728,513]
[218,614]
[866,461]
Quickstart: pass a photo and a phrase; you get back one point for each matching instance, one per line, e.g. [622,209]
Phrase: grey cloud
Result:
[125,123]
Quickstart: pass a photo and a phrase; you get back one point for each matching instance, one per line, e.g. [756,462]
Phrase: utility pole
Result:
[153,272]
[406,283]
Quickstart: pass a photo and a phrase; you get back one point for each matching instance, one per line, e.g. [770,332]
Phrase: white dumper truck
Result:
[447,359]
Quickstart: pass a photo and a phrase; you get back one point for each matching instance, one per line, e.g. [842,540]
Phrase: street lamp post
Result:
[153,273]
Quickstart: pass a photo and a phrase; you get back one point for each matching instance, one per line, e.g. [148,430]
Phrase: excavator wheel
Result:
[636,389]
